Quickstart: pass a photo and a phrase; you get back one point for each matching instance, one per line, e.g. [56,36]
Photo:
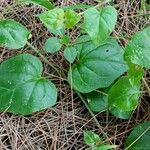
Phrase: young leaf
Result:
[71,18]
[65,40]
[121,114]
[124,94]
[22,89]
[98,66]
[139,138]
[97,102]
[138,49]
[45,3]
[91,139]
[52,45]
[135,73]
[100,23]
[13,34]
[70,54]
[53,19]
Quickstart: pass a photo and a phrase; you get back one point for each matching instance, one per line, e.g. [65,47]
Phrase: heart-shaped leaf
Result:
[100,23]
[138,49]
[53,19]
[121,114]
[52,45]
[124,94]
[97,102]
[22,89]
[65,39]
[139,138]
[13,34]
[70,54]
[71,18]
[98,66]
[91,138]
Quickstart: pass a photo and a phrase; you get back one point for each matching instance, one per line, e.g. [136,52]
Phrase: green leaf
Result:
[100,24]
[52,45]
[53,19]
[90,138]
[82,39]
[65,39]
[13,34]
[121,114]
[97,102]
[124,94]
[135,73]
[105,147]
[98,66]
[22,89]
[71,18]
[79,42]
[138,49]
[45,3]
[139,138]
[70,54]
[58,32]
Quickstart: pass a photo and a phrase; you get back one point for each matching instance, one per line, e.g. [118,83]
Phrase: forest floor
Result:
[61,127]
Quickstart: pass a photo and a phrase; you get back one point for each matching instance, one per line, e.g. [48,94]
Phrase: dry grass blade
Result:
[61,127]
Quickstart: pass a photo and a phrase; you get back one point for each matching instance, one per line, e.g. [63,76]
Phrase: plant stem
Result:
[98,5]
[137,138]
[43,57]
[54,67]
[64,76]
[92,114]
[86,105]
[147,86]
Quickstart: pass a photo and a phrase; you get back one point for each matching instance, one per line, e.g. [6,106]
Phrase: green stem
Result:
[93,116]
[64,76]
[88,108]
[137,138]
[43,57]
[143,5]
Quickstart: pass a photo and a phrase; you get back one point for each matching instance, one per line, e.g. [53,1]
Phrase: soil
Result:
[61,127]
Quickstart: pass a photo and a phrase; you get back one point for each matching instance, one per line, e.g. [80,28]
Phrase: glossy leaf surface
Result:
[53,19]
[90,138]
[22,89]
[71,18]
[138,49]
[97,102]
[70,54]
[100,23]
[139,137]
[45,3]
[124,94]
[13,34]
[52,45]
[97,66]
[120,114]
